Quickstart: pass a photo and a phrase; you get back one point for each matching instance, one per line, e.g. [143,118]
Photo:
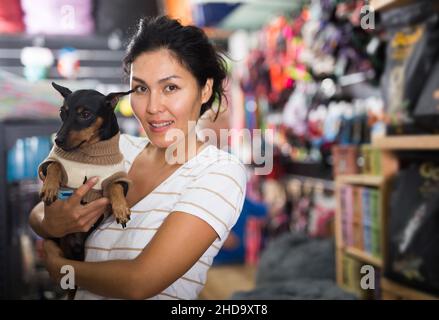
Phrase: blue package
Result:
[64,193]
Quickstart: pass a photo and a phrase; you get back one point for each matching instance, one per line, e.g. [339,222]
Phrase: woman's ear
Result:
[206,92]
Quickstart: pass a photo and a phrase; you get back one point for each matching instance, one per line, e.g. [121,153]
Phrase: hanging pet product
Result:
[411,53]
[413,239]
[426,113]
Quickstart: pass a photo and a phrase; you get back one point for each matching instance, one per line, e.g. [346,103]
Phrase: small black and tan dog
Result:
[86,145]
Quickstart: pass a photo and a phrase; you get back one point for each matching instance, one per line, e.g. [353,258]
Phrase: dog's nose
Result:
[59,141]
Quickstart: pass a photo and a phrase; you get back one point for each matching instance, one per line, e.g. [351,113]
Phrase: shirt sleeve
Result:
[131,146]
[216,196]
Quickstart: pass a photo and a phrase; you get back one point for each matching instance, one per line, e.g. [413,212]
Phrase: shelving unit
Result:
[388,4]
[388,148]
[360,179]
[344,250]
[421,142]
[363,256]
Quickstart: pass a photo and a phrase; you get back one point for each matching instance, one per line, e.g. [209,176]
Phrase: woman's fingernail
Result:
[94,179]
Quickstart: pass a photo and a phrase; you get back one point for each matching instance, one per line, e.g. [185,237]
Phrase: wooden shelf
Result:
[362,179]
[392,290]
[364,256]
[388,4]
[421,142]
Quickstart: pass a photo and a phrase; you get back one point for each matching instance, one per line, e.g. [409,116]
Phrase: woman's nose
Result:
[154,104]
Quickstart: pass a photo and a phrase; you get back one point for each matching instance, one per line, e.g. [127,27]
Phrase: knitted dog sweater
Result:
[102,159]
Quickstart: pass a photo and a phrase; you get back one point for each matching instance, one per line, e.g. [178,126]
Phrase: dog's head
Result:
[87,117]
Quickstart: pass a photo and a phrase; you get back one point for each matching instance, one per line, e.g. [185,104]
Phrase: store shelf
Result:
[327,184]
[364,256]
[389,148]
[388,4]
[392,290]
[368,180]
[421,142]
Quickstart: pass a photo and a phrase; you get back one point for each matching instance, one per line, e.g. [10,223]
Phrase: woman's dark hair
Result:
[191,47]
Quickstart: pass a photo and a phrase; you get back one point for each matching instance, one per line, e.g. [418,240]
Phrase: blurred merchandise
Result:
[37,62]
[64,17]
[253,240]
[109,18]
[412,52]
[244,248]
[321,217]
[68,63]
[124,107]
[311,204]
[426,113]
[345,159]
[20,99]
[361,219]
[210,14]
[24,157]
[370,160]
[11,17]
[414,225]
[27,276]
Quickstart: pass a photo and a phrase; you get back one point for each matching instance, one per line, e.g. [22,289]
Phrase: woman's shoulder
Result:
[130,145]
[214,160]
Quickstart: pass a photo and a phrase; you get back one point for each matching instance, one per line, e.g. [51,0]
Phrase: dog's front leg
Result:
[51,184]
[119,204]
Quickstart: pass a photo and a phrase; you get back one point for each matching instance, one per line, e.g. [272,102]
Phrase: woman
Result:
[181,210]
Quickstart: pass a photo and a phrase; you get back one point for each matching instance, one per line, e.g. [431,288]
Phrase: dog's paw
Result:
[122,214]
[49,194]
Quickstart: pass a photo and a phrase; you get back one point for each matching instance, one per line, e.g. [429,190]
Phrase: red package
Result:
[11,17]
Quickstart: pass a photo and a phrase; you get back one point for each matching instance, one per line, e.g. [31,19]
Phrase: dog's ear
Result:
[113,98]
[63,90]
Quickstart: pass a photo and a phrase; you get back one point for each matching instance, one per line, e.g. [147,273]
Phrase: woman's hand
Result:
[53,259]
[68,216]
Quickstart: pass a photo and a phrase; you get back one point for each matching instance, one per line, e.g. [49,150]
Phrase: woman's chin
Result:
[161,142]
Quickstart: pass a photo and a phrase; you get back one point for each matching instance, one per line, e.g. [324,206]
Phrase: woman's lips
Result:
[160,126]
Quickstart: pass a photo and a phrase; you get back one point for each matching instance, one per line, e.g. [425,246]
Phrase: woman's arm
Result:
[178,244]
[36,218]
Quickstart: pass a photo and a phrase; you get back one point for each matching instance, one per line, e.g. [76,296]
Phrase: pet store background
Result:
[351,91]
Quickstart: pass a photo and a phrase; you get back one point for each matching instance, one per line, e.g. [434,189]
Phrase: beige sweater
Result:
[102,159]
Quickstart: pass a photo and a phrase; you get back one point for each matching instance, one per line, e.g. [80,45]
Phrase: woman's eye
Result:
[141,89]
[171,88]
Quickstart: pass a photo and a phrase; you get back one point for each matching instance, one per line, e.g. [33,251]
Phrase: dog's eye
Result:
[85,115]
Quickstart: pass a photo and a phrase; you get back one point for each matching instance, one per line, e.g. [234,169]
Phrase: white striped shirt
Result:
[210,186]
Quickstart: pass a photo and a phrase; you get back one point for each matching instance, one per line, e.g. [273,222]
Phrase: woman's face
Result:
[167,96]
